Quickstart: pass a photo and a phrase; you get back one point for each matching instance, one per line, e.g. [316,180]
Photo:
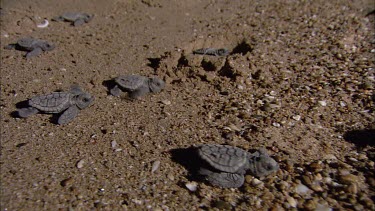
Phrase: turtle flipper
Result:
[115,91]
[79,22]
[58,18]
[34,52]
[68,115]
[10,46]
[223,179]
[26,112]
[139,92]
[75,89]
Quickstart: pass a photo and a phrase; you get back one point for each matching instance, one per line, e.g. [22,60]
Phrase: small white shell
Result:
[44,24]
[80,163]
[155,166]
[192,186]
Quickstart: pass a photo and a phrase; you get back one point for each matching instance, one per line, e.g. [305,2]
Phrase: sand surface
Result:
[299,81]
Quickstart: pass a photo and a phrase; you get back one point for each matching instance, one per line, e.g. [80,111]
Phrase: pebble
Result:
[80,164]
[166,102]
[170,176]
[322,103]
[114,144]
[292,202]
[275,124]
[222,205]
[192,186]
[322,207]
[348,178]
[257,183]
[155,166]
[302,189]
[296,117]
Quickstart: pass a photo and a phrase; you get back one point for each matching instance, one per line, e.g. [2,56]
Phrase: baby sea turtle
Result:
[34,47]
[67,103]
[223,179]
[76,18]
[212,51]
[137,85]
[229,164]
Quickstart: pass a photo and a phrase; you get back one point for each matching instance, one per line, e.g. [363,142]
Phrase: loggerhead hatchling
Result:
[212,51]
[137,85]
[33,46]
[76,18]
[231,163]
[67,103]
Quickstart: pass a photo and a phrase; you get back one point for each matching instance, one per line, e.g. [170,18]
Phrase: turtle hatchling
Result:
[212,51]
[68,103]
[228,164]
[33,46]
[76,18]
[137,85]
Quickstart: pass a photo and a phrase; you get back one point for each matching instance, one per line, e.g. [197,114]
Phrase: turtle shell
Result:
[27,43]
[73,16]
[224,157]
[55,102]
[131,82]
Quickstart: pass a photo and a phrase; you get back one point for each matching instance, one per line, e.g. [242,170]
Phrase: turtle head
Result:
[156,84]
[222,52]
[47,46]
[84,100]
[87,17]
[262,164]
[267,165]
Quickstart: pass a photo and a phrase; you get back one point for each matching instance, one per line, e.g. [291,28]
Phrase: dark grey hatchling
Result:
[137,85]
[33,46]
[229,164]
[67,103]
[212,51]
[76,18]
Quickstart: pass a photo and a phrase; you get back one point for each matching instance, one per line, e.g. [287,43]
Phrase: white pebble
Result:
[342,104]
[44,24]
[137,201]
[322,207]
[296,117]
[155,166]
[275,124]
[192,186]
[80,164]
[302,189]
[166,102]
[114,144]
[322,103]
[291,201]
[257,183]
[239,87]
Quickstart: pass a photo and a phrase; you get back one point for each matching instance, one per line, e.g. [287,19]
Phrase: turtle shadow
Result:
[154,63]
[109,84]
[361,138]
[19,105]
[24,104]
[190,160]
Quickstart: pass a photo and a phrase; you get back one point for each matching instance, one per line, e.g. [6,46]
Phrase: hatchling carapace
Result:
[76,18]
[212,51]
[137,85]
[33,46]
[228,164]
[67,103]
